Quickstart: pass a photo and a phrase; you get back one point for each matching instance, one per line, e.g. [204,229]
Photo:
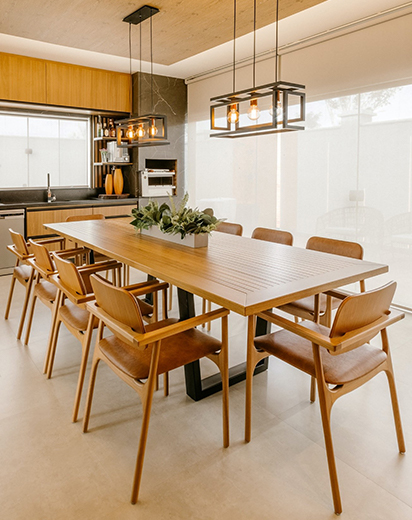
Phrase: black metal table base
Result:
[198,388]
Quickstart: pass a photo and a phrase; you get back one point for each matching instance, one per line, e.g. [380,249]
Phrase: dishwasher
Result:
[14,219]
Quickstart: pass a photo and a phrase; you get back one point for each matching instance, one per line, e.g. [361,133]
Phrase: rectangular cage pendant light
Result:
[278,107]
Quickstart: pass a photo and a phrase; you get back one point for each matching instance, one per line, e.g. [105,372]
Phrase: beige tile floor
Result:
[49,469]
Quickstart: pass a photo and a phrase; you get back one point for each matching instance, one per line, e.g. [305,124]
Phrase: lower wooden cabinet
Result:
[36,218]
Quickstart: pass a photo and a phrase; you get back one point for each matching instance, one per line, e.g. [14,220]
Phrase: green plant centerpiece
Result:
[172,220]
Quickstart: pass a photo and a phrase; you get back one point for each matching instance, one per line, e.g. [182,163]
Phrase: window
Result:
[33,145]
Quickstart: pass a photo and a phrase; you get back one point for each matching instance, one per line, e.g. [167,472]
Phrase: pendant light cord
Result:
[151,61]
[277,41]
[234,45]
[140,66]
[130,70]
[254,43]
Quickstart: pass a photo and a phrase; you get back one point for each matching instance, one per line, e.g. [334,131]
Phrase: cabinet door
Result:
[69,85]
[35,220]
[119,84]
[114,211]
[22,78]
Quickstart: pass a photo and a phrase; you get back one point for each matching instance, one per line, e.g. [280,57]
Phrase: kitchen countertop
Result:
[68,203]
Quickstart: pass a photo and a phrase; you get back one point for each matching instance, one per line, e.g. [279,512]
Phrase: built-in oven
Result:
[9,219]
[157,182]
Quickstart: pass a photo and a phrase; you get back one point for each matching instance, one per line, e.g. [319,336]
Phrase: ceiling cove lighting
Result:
[149,129]
[267,109]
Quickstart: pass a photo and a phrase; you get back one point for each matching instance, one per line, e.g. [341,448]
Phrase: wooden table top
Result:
[239,273]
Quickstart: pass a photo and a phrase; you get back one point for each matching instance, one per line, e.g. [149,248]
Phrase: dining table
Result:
[244,275]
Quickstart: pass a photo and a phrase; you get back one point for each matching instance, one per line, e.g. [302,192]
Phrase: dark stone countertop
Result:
[68,203]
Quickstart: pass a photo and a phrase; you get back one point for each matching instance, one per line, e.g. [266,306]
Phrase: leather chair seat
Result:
[74,316]
[308,304]
[45,290]
[338,369]
[176,351]
[23,272]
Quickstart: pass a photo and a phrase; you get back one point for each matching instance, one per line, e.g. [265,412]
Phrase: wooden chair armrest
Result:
[339,344]
[52,240]
[12,249]
[86,270]
[335,293]
[141,341]
[44,274]
[68,253]
[297,328]
[74,297]
[154,287]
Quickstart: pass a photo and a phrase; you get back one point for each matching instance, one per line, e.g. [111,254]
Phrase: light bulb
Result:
[153,129]
[130,132]
[233,115]
[279,111]
[140,132]
[253,113]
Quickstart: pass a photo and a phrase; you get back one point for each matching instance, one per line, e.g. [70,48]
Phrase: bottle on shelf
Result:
[105,130]
[112,129]
[99,127]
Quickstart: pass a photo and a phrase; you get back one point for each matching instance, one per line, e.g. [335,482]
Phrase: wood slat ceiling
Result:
[182,29]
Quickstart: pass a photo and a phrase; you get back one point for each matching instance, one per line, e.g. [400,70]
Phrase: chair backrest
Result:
[335,247]
[362,309]
[231,229]
[19,243]
[75,218]
[273,235]
[120,304]
[42,256]
[70,276]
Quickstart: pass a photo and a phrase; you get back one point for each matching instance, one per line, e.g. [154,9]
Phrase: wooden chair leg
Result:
[53,346]
[209,308]
[312,389]
[89,398]
[147,407]
[166,384]
[224,372]
[325,403]
[396,412]
[170,297]
[56,306]
[82,372]
[203,311]
[12,284]
[29,285]
[30,320]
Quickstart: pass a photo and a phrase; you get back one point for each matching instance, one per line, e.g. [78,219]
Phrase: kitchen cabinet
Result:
[36,218]
[61,84]
[22,78]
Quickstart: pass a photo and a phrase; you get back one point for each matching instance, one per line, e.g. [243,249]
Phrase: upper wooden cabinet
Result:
[22,78]
[62,84]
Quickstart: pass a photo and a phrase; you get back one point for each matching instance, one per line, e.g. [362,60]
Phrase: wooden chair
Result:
[23,272]
[74,291]
[139,353]
[319,308]
[273,235]
[341,358]
[231,229]
[311,309]
[43,289]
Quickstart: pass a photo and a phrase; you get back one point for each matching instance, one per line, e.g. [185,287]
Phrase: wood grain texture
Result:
[181,29]
[239,273]
[22,79]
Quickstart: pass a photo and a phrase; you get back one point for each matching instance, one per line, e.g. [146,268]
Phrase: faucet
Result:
[50,196]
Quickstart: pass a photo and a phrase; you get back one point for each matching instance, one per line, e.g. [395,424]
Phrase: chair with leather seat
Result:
[44,290]
[305,307]
[340,358]
[273,235]
[23,271]
[230,228]
[74,291]
[138,353]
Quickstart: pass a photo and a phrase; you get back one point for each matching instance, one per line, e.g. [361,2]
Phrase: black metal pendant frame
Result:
[159,139]
[280,90]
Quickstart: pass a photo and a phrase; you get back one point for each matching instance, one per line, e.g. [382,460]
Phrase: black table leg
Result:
[198,388]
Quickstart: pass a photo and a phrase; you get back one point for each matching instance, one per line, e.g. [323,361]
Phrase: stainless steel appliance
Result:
[14,219]
[157,182]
